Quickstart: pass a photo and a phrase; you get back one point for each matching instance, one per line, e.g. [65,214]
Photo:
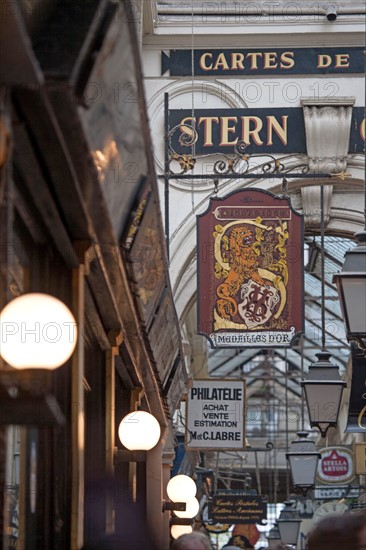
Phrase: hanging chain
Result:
[192,92]
[216,187]
[284,187]
[322,262]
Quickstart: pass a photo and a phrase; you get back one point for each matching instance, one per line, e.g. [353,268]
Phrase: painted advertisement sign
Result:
[239,509]
[250,271]
[215,415]
[278,61]
[264,130]
[336,465]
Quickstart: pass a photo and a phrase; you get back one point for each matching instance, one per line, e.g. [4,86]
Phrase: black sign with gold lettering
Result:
[236,62]
[233,508]
[265,130]
[357,401]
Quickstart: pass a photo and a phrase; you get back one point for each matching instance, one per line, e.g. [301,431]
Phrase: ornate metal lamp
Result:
[323,385]
[351,285]
[289,524]
[274,537]
[323,388]
[303,459]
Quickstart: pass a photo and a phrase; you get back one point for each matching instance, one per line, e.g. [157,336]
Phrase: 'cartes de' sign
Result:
[215,415]
[230,62]
[250,271]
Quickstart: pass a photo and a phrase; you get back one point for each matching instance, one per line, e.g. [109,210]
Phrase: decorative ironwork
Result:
[239,163]
[269,447]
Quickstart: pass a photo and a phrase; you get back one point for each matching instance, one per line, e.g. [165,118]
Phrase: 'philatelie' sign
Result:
[250,271]
[236,62]
[215,415]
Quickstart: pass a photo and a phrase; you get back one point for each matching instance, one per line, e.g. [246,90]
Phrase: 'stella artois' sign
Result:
[250,271]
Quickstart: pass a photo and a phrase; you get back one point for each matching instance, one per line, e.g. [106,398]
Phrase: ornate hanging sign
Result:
[250,271]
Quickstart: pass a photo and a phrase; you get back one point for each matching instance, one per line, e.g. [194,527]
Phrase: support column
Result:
[77,415]
[166,474]
[110,434]
[154,496]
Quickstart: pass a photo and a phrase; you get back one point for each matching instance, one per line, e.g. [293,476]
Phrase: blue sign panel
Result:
[237,62]
[265,130]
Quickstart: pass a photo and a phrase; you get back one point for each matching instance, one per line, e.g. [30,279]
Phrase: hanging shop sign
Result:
[357,402]
[336,465]
[250,271]
[237,62]
[239,509]
[215,415]
[264,130]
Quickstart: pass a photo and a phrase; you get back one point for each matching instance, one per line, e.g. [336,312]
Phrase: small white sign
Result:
[323,493]
[215,415]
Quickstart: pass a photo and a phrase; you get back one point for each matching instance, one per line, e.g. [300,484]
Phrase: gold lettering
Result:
[269,59]
[342,60]
[287,60]
[362,130]
[247,132]
[207,126]
[237,59]
[360,417]
[187,129]
[225,129]
[203,65]
[281,131]
[324,61]
[221,62]
[253,56]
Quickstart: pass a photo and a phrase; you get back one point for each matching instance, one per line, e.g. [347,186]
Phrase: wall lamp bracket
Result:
[181,521]
[125,456]
[27,398]
[174,506]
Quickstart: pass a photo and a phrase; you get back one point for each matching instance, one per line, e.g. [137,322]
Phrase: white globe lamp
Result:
[179,530]
[37,331]
[181,488]
[139,431]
